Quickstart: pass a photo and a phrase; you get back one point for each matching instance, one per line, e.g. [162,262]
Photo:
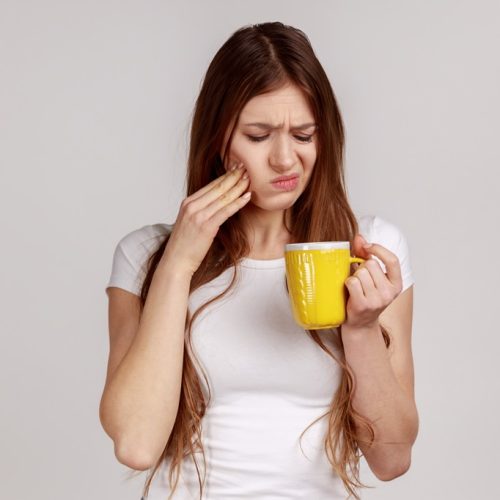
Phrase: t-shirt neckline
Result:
[278,263]
[263,264]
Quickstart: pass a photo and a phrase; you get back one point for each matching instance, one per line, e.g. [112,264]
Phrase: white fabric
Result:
[268,379]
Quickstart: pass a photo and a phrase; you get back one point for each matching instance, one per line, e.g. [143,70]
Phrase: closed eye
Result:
[301,138]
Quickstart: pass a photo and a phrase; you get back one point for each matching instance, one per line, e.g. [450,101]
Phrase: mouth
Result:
[286,183]
[285,178]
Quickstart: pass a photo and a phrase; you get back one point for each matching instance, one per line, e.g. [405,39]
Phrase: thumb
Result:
[358,249]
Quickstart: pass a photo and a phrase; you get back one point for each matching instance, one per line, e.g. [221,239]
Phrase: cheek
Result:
[309,166]
[308,161]
[311,160]
[243,152]
[254,159]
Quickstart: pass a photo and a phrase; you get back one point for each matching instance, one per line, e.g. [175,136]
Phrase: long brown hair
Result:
[257,59]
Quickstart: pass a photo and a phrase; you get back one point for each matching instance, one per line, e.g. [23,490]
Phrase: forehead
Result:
[286,103]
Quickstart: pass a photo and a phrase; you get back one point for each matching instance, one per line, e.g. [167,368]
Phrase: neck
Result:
[265,230]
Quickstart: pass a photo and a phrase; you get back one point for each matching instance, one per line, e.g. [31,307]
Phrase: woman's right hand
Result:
[201,215]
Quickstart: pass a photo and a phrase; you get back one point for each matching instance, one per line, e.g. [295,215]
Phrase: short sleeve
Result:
[128,269]
[390,236]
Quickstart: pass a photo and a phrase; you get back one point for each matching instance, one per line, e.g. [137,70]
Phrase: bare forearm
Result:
[380,398]
[140,403]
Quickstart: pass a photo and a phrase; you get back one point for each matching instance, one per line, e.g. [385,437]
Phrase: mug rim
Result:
[318,245]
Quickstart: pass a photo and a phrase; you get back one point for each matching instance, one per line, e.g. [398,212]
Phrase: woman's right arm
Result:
[141,398]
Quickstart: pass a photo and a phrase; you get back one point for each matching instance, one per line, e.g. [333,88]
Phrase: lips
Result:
[285,177]
[286,185]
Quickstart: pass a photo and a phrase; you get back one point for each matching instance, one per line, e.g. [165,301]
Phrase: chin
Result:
[286,201]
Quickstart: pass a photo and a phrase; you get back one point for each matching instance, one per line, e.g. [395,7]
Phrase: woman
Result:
[206,361]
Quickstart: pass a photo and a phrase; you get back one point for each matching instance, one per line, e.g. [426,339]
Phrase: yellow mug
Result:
[316,273]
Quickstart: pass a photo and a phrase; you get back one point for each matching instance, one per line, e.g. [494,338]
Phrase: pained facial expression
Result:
[285,143]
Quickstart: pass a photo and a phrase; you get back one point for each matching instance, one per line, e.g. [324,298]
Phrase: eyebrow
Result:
[268,126]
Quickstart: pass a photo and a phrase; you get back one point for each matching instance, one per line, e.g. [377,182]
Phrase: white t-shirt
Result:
[269,380]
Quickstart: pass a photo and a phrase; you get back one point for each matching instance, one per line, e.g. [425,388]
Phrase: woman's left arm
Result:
[384,378]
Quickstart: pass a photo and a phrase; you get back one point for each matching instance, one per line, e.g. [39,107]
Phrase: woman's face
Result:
[275,136]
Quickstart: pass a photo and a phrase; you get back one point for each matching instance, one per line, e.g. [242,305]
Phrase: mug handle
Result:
[359,260]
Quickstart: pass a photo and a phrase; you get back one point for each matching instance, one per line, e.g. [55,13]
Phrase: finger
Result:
[355,288]
[226,182]
[216,182]
[357,246]
[390,261]
[377,273]
[367,284]
[230,209]
[226,198]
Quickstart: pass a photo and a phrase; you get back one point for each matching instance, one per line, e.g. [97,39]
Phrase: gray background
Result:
[95,105]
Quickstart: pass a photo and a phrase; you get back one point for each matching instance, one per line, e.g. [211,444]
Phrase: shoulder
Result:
[144,239]
[377,229]
[132,253]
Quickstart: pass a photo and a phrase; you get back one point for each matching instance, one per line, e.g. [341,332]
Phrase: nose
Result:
[282,156]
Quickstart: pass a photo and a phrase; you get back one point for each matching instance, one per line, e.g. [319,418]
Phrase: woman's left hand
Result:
[370,289]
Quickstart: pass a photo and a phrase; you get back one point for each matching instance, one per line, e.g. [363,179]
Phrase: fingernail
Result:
[234,167]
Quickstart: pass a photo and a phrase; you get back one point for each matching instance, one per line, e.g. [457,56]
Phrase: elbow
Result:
[401,462]
[393,472]
[132,458]
[126,451]
[137,457]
